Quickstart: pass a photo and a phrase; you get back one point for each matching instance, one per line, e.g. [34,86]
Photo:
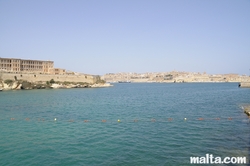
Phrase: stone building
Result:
[26,66]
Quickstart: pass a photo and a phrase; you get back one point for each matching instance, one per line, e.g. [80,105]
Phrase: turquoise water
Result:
[145,134]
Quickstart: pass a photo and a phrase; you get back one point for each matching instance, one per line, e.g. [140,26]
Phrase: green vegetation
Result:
[8,82]
[82,83]
[168,77]
[52,81]
[67,82]
[98,80]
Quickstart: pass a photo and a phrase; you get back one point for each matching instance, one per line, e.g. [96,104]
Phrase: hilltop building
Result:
[29,66]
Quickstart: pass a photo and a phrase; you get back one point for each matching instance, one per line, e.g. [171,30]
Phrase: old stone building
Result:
[28,66]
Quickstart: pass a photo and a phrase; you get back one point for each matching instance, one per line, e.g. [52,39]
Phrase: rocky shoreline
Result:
[26,85]
[247,110]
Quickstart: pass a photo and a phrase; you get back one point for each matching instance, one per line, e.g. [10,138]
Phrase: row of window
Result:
[22,66]
[32,66]
[20,69]
[32,62]
[5,61]
[25,62]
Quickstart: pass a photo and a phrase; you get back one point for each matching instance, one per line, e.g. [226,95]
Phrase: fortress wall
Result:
[245,84]
[47,77]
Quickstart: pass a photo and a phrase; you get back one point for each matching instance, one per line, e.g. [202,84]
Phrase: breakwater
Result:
[244,84]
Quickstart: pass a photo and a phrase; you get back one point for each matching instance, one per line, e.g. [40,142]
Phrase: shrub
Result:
[66,82]
[52,81]
[100,81]
[82,83]
[8,82]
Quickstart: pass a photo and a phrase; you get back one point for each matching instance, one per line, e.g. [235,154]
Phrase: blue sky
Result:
[109,36]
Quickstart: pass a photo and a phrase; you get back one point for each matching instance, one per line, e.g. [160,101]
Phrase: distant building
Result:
[29,66]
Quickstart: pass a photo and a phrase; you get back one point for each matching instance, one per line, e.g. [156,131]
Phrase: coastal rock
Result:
[83,86]
[75,86]
[1,84]
[26,85]
[15,85]
[6,86]
[70,86]
[246,110]
[101,85]
[56,86]
[39,86]
[19,87]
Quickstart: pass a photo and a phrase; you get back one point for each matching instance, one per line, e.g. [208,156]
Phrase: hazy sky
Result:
[109,36]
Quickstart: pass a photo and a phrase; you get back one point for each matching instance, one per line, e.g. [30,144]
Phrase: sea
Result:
[129,124]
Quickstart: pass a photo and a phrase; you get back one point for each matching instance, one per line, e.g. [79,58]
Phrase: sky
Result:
[111,36]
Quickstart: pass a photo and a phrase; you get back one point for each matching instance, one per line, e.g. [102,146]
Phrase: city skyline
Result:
[99,37]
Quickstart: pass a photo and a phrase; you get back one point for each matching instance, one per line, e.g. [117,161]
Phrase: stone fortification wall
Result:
[47,77]
[245,84]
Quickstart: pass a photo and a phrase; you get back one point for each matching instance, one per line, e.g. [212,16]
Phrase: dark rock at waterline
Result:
[26,85]
[41,86]
[29,85]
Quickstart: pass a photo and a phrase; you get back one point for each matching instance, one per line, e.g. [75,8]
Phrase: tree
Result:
[52,81]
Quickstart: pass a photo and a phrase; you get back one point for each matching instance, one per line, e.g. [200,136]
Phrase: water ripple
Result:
[158,136]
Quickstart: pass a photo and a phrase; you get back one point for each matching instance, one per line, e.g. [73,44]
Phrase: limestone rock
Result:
[19,86]
[26,85]
[101,85]
[6,86]
[15,85]
[1,85]
[57,86]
